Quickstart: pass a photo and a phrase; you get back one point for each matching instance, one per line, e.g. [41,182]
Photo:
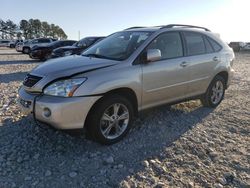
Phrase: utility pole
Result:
[79,35]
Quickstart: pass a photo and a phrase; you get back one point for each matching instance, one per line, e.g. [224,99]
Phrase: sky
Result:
[229,18]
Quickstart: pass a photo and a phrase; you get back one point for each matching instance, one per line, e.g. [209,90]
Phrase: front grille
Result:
[31,80]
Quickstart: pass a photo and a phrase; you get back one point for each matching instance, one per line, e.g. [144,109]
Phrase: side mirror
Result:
[153,55]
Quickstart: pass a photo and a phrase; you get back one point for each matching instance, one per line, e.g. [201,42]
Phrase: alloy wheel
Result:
[114,121]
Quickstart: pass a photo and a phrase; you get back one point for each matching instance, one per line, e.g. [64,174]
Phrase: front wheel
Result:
[215,92]
[110,119]
[26,50]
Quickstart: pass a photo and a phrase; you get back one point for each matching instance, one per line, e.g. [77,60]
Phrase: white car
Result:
[247,46]
[19,46]
[4,42]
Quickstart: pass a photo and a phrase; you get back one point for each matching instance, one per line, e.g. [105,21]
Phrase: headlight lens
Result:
[64,88]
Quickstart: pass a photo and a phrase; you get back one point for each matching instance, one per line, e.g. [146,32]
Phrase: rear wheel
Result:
[215,92]
[110,119]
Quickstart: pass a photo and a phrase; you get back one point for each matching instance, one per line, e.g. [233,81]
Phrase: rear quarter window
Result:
[209,48]
[216,46]
[194,43]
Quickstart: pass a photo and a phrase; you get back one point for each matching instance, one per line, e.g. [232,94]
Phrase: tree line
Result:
[29,29]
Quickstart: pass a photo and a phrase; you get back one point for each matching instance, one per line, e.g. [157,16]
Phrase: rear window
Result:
[195,43]
[214,44]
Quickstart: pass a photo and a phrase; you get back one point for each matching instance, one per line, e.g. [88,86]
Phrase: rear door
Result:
[165,80]
[202,58]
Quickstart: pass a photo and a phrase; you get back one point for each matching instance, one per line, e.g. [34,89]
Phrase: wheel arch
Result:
[223,74]
[128,93]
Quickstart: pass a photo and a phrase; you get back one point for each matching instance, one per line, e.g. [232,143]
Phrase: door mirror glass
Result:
[153,55]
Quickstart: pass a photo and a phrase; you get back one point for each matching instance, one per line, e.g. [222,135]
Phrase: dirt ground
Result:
[184,145]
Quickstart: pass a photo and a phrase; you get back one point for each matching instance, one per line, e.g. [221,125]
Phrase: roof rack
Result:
[137,27]
[183,25]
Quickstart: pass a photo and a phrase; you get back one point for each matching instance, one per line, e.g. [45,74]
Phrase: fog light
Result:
[46,112]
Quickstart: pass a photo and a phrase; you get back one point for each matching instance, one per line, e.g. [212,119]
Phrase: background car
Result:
[13,43]
[247,46]
[76,48]
[27,47]
[236,46]
[19,45]
[4,42]
[43,52]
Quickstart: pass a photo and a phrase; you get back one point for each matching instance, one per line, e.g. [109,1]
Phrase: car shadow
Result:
[12,77]
[19,62]
[41,147]
[17,53]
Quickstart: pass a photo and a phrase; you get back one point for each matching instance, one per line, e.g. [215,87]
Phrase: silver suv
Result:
[138,68]
[39,41]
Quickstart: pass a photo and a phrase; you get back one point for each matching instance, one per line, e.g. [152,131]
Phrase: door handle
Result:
[215,59]
[184,64]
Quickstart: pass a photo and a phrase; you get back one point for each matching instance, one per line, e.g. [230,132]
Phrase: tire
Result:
[104,128]
[46,57]
[11,46]
[26,50]
[215,92]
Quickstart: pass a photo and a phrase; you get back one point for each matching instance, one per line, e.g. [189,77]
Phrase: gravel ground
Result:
[185,145]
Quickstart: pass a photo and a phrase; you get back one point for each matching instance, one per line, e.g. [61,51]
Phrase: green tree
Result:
[24,27]
[37,28]
[31,29]
[53,29]
[3,28]
[7,28]
[45,29]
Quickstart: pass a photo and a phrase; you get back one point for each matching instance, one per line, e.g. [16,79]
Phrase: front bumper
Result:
[37,54]
[65,113]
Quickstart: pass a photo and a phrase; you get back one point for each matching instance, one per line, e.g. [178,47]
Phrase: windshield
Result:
[76,44]
[118,46]
[54,43]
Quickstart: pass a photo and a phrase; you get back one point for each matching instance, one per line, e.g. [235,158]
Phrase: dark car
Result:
[76,48]
[236,46]
[43,52]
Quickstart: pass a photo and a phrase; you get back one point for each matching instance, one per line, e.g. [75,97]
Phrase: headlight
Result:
[64,88]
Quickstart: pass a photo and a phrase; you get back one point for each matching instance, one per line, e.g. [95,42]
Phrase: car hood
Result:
[67,66]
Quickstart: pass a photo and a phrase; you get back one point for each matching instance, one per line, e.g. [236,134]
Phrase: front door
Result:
[167,79]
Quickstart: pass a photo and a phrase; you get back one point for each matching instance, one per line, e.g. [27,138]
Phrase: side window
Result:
[60,44]
[169,44]
[209,48]
[44,40]
[214,44]
[195,43]
[70,43]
